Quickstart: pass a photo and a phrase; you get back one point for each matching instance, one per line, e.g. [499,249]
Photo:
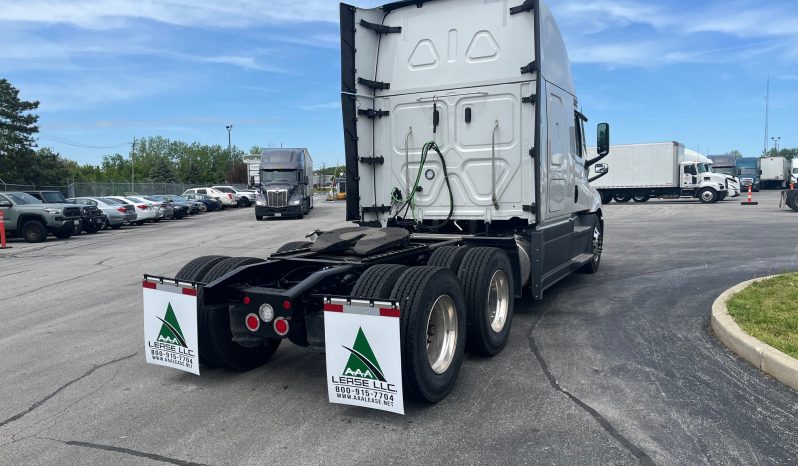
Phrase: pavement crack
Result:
[638,453]
[126,451]
[44,400]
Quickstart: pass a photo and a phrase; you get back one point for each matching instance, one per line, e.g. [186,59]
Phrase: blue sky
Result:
[108,71]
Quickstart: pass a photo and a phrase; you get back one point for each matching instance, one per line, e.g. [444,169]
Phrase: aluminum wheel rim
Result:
[441,334]
[707,196]
[498,300]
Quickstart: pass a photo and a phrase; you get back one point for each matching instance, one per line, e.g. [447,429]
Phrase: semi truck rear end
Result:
[467,183]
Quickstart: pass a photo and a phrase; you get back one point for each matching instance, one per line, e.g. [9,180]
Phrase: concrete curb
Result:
[763,357]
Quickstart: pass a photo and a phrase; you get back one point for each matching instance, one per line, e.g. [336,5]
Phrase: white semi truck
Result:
[642,171]
[794,171]
[775,172]
[467,179]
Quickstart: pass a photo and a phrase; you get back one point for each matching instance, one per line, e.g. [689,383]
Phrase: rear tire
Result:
[486,276]
[258,217]
[622,198]
[245,202]
[448,257]
[641,198]
[606,197]
[217,324]
[431,357]
[194,271]
[34,231]
[378,281]
[293,246]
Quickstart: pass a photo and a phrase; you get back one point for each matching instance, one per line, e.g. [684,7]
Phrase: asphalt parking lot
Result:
[615,368]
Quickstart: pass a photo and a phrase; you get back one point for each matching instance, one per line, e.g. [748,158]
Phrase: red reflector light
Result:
[281,326]
[229,195]
[142,207]
[253,322]
[286,304]
[247,300]
[121,209]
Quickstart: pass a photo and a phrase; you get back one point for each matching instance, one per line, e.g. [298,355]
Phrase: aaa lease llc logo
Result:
[363,379]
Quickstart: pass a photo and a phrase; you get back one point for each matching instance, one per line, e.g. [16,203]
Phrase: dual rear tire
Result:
[216,345]
[462,298]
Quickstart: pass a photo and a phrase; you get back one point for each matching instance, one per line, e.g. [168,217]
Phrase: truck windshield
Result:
[748,171]
[23,198]
[704,168]
[284,176]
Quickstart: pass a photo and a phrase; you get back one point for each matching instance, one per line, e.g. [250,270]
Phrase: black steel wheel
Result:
[486,276]
[622,198]
[432,331]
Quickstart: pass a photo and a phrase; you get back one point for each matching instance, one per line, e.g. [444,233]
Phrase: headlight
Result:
[296,202]
[260,202]
[52,211]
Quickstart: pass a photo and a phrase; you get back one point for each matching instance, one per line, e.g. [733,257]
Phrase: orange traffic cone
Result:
[3,232]
[750,197]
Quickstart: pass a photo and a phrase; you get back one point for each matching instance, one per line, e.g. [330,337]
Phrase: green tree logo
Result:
[170,330]
[362,362]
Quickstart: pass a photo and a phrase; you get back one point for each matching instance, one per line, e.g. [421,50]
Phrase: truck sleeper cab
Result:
[466,175]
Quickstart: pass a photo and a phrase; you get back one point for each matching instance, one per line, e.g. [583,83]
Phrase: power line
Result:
[68,142]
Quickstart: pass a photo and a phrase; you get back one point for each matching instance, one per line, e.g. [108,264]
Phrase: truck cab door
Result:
[689,176]
[561,127]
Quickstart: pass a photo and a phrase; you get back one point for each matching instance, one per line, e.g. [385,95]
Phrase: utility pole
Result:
[230,148]
[132,165]
[767,112]
[776,145]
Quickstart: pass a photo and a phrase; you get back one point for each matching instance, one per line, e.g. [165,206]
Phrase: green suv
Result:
[29,218]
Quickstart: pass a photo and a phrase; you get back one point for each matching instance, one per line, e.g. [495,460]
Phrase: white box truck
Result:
[467,177]
[775,172]
[642,171]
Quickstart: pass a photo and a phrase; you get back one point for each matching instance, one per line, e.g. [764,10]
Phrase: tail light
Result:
[121,209]
[142,207]
[230,196]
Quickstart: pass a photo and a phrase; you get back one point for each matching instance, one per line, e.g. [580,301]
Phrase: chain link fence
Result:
[101,189]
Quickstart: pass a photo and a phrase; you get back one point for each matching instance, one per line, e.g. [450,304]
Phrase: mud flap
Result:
[363,352]
[170,325]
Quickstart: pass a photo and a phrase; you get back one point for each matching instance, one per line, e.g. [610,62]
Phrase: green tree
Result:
[737,154]
[17,130]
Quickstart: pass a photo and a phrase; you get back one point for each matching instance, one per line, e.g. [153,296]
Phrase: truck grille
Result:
[71,211]
[277,198]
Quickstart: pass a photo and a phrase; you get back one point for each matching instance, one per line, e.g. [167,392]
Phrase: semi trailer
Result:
[774,172]
[467,184]
[642,171]
[285,188]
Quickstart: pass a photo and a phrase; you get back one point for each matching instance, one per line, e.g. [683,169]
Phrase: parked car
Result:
[129,208]
[91,220]
[194,206]
[209,203]
[244,198]
[228,199]
[178,209]
[144,211]
[29,218]
[162,210]
[115,214]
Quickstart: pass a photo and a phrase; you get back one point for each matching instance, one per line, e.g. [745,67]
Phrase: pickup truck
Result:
[29,218]
[92,219]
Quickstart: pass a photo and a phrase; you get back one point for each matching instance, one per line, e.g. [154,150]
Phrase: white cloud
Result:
[110,14]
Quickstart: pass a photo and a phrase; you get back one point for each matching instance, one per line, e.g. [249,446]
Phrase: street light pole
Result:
[229,148]
[776,144]
[132,165]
